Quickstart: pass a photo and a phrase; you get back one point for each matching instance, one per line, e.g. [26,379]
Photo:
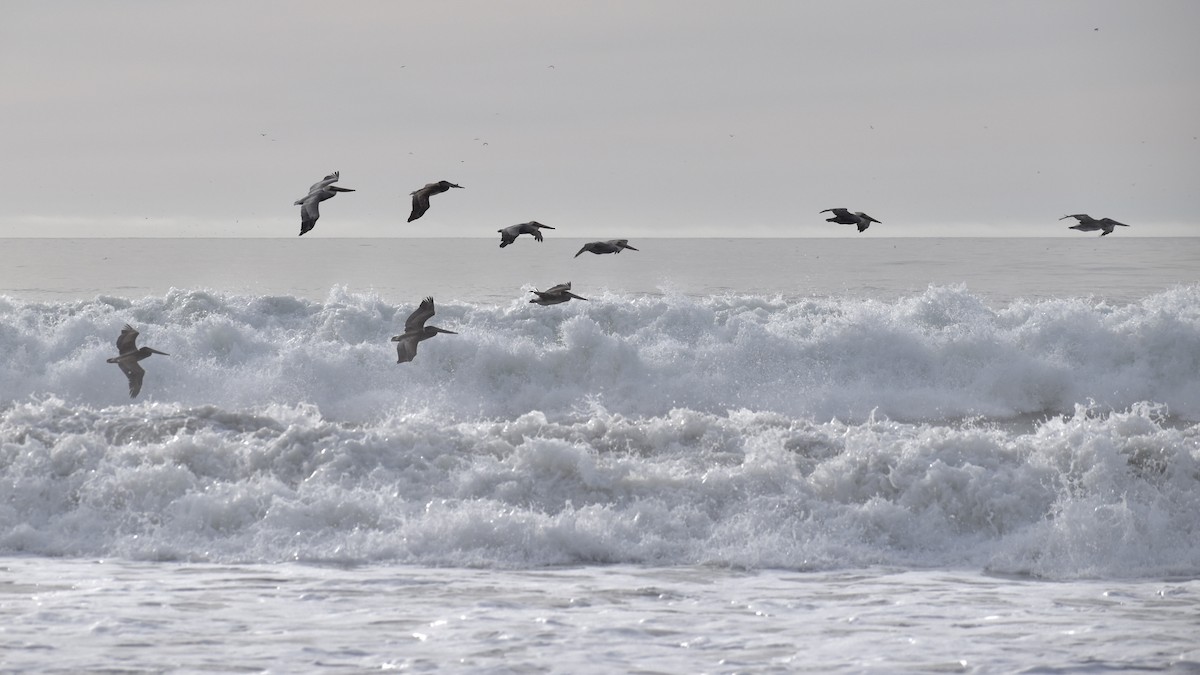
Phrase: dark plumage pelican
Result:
[843,216]
[421,197]
[415,330]
[509,234]
[130,355]
[1090,224]
[610,246]
[555,294]
[318,193]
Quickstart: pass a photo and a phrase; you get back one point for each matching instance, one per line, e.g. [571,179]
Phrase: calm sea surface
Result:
[757,456]
[477,270]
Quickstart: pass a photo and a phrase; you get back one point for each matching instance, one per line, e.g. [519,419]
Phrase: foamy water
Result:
[731,448]
[80,616]
[732,430]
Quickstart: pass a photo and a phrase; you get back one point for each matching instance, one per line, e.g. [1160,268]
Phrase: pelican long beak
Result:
[158,352]
[453,185]
[443,330]
[630,247]
[340,189]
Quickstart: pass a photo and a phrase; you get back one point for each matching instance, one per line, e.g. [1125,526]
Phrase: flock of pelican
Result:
[415,329]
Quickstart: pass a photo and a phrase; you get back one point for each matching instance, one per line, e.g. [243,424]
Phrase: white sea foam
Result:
[1056,438]
[937,355]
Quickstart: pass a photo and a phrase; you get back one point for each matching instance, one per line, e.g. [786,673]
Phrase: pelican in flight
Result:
[318,193]
[555,295]
[610,246]
[509,234]
[415,330]
[421,197]
[1089,224]
[130,355]
[843,216]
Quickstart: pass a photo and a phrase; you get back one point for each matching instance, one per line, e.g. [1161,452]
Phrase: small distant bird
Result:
[509,234]
[843,216]
[555,295]
[610,246]
[421,197]
[318,193]
[129,357]
[1090,224]
[415,331]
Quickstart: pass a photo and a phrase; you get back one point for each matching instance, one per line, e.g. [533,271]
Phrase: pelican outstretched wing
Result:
[406,349]
[420,204]
[325,182]
[127,342]
[309,213]
[135,373]
[416,320]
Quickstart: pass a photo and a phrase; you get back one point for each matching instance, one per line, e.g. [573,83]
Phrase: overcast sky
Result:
[646,118]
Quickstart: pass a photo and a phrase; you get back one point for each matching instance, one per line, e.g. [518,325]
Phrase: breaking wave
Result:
[1058,438]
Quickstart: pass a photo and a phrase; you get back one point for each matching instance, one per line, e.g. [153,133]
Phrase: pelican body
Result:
[415,331]
[610,246]
[555,295]
[420,201]
[844,217]
[318,193]
[1089,224]
[129,356]
[509,234]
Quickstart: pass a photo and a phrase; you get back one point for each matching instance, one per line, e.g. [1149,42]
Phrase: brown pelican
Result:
[843,216]
[1090,224]
[555,294]
[130,355]
[421,197]
[318,193]
[610,246]
[509,234]
[415,330]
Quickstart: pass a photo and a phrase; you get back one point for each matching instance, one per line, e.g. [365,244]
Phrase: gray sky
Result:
[605,119]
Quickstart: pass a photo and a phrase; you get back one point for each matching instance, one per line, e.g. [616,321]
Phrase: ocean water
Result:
[843,455]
